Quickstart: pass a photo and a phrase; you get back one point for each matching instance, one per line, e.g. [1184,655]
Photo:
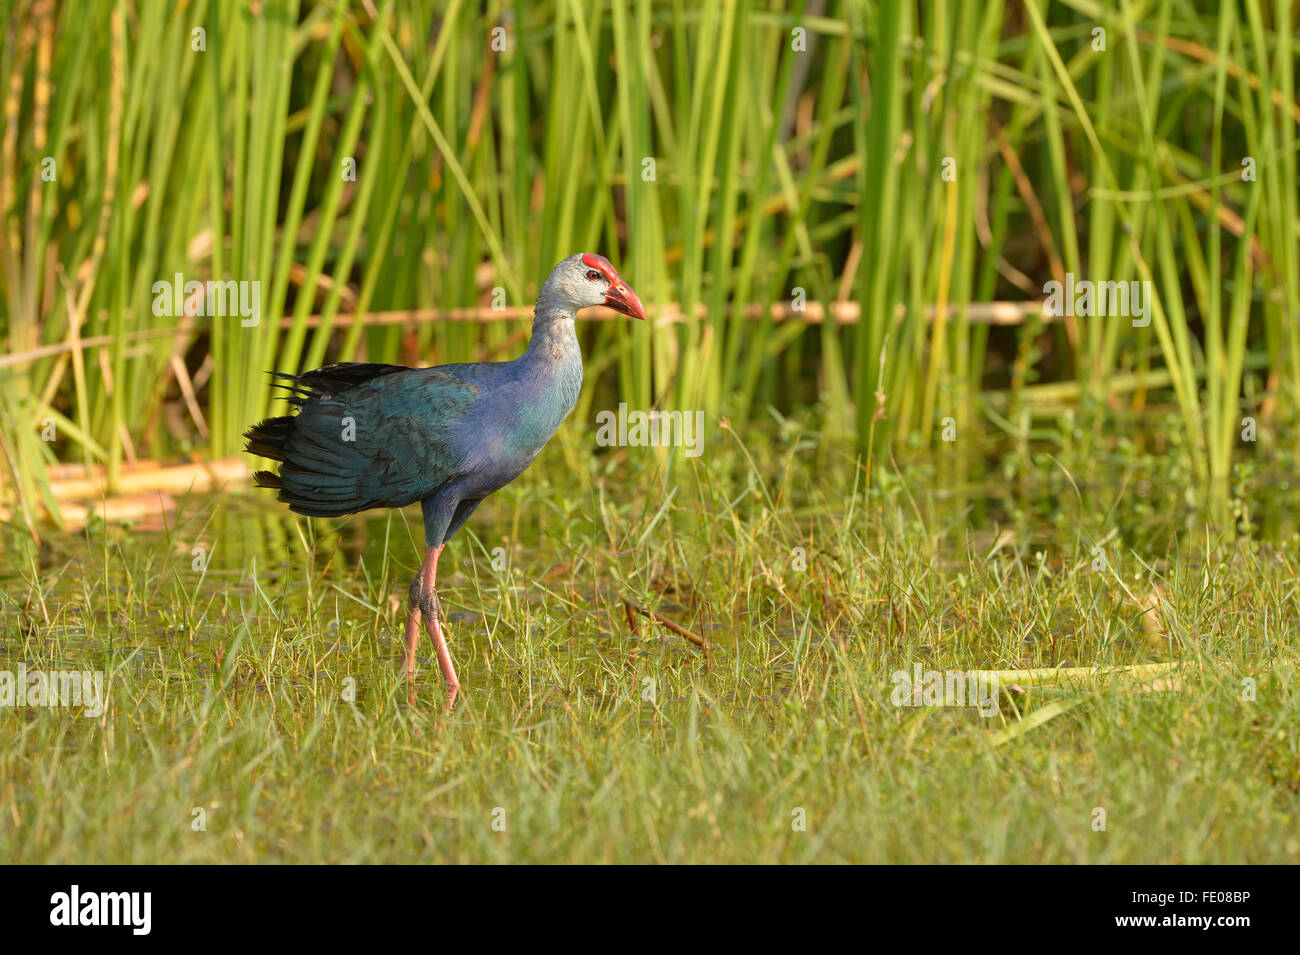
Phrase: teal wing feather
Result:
[366,435]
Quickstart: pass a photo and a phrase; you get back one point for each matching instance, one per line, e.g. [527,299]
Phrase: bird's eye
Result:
[593,275]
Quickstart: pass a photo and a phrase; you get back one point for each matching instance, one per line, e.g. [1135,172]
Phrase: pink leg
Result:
[412,640]
[434,629]
[414,612]
[424,607]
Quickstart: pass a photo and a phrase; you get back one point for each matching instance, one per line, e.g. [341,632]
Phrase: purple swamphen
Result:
[373,435]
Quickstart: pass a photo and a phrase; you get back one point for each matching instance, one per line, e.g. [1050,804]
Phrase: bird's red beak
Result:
[622,299]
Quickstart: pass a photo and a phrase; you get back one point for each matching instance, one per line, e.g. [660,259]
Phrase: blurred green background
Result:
[844,207]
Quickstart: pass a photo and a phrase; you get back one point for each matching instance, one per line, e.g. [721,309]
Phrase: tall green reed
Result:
[908,158]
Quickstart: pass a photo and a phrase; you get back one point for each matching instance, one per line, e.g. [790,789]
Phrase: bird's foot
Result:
[422,599]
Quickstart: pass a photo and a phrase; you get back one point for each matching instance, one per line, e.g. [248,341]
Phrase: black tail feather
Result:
[269,438]
[321,483]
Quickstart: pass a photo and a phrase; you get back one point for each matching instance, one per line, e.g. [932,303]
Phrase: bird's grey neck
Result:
[554,338]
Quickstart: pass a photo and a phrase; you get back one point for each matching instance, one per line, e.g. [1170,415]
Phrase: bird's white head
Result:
[588,279]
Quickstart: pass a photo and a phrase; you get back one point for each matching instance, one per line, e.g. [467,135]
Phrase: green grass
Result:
[227,686]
